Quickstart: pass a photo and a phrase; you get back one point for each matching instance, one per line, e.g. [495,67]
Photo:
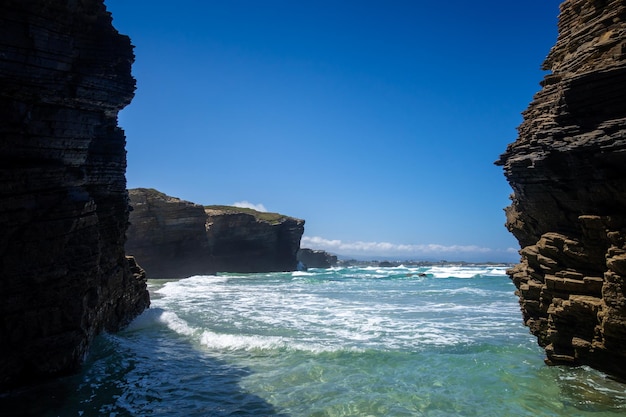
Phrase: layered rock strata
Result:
[64,75]
[167,235]
[568,173]
[176,238]
[245,240]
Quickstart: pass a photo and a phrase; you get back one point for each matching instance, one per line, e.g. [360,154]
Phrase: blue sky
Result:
[377,122]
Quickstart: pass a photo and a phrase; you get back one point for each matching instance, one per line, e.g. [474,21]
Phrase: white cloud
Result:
[247,204]
[360,248]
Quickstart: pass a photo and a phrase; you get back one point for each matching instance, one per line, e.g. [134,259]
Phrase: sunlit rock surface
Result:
[171,237]
[568,172]
[64,75]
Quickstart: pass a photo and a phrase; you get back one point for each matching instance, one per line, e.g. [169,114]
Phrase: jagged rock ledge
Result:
[64,75]
[568,173]
[173,238]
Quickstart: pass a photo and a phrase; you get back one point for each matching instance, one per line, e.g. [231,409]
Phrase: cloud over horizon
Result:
[387,249]
[247,204]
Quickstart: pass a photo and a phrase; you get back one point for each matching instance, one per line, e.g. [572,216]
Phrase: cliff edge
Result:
[568,173]
[173,238]
[167,235]
[64,75]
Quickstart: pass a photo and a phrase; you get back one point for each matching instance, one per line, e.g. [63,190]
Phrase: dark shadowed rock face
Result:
[250,241]
[568,172]
[167,235]
[175,238]
[316,258]
[64,75]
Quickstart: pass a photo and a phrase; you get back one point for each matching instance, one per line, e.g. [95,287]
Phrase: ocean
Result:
[354,341]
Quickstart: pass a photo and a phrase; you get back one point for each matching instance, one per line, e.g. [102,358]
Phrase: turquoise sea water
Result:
[335,342]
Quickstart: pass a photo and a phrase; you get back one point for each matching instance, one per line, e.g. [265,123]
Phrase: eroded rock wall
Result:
[64,75]
[568,173]
[167,235]
[173,238]
[246,242]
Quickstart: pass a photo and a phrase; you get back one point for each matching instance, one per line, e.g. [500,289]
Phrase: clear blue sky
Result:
[375,121]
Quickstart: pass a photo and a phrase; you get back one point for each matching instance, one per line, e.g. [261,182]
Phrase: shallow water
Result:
[336,342]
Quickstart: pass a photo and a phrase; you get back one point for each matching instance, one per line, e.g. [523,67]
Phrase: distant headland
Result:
[174,238]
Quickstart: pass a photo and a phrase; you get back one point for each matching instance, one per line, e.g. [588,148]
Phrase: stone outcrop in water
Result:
[175,238]
[568,173]
[316,258]
[64,75]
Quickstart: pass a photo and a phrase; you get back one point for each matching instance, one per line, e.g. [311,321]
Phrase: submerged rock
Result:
[64,75]
[175,238]
[568,172]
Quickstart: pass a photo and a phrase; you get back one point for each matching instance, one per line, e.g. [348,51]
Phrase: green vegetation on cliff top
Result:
[272,218]
[149,192]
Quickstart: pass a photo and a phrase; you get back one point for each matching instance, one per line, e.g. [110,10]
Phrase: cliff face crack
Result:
[568,171]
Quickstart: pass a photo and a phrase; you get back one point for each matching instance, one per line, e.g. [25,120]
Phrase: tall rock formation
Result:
[245,240]
[64,75]
[173,238]
[568,173]
[167,235]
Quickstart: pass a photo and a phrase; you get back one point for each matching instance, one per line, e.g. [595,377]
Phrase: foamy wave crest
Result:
[240,342]
[149,318]
[196,284]
[235,342]
[465,272]
[449,272]
[497,271]
[154,317]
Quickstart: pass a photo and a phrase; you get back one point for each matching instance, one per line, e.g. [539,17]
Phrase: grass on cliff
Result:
[149,192]
[273,218]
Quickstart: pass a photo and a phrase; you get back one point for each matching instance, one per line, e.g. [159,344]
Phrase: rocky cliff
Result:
[175,238]
[245,240]
[64,75]
[167,235]
[568,173]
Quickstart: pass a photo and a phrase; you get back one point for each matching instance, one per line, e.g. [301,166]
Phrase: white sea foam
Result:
[312,344]
[349,308]
[196,284]
[465,271]
[501,271]
[149,318]
[240,342]
[158,316]
[453,272]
